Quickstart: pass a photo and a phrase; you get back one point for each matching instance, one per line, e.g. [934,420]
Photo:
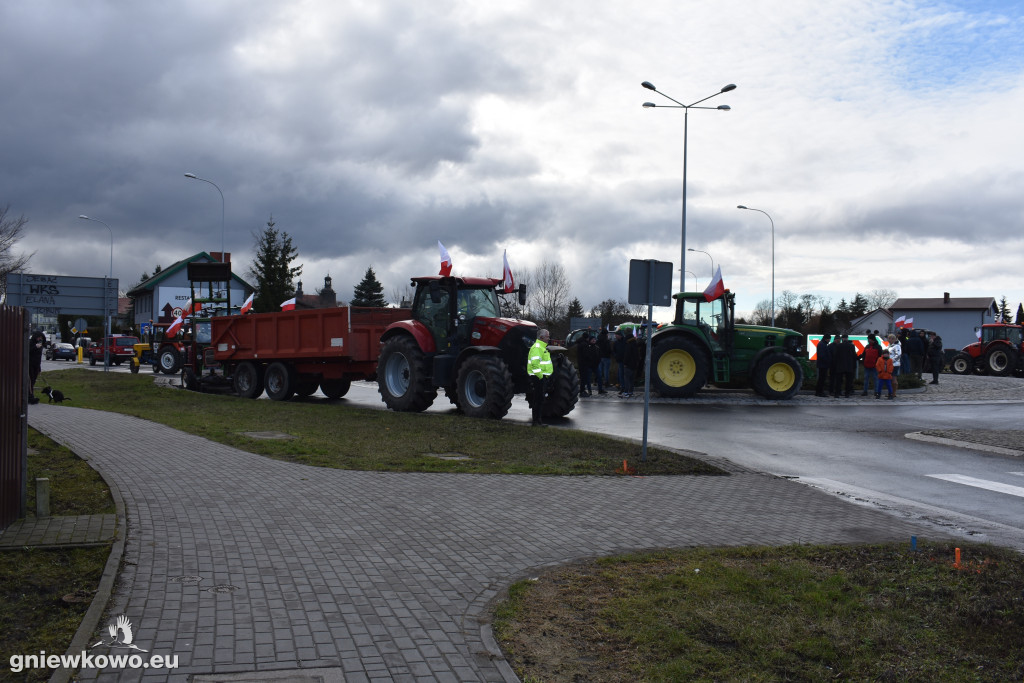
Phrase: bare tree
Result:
[548,290]
[402,296]
[11,230]
[762,313]
[881,298]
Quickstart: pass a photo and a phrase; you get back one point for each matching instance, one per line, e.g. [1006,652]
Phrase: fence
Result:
[13,417]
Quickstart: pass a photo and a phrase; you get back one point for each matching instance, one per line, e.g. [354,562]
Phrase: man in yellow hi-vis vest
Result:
[539,368]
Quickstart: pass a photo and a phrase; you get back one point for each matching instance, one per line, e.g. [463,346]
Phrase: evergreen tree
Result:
[369,292]
[272,269]
[859,306]
[1004,310]
[1020,314]
[575,309]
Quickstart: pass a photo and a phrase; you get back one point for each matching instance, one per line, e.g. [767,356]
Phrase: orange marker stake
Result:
[957,562]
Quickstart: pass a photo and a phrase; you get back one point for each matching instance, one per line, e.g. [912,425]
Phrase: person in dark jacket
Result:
[604,347]
[619,352]
[36,342]
[589,358]
[824,364]
[844,367]
[936,358]
[914,348]
[630,361]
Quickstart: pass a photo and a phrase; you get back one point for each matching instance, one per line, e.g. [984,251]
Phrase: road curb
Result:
[918,436]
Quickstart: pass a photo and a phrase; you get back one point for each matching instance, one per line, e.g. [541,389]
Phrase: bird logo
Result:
[121,635]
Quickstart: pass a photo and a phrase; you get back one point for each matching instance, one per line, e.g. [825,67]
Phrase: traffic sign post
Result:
[650,282]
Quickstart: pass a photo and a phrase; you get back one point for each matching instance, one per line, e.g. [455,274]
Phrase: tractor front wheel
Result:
[169,360]
[484,387]
[403,379]
[778,376]
[1001,360]
[563,388]
[962,364]
[680,368]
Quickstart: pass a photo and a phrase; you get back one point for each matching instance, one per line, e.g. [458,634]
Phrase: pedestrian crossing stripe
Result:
[999,487]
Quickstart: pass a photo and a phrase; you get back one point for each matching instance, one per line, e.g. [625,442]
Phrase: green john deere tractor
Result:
[704,345]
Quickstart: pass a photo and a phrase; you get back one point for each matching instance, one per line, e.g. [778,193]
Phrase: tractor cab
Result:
[1009,333]
[715,318]
[460,312]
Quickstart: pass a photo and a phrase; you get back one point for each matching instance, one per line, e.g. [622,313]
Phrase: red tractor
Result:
[458,341]
[999,352]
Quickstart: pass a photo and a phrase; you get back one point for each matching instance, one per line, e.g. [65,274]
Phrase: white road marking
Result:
[981,483]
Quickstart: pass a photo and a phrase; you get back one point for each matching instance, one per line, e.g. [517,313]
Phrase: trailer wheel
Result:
[279,380]
[169,360]
[305,385]
[402,376]
[962,364]
[335,388]
[563,388]
[1001,360]
[485,387]
[189,379]
[680,368]
[248,380]
[778,376]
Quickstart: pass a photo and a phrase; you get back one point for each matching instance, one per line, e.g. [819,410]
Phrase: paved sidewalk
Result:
[239,563]
[57,532]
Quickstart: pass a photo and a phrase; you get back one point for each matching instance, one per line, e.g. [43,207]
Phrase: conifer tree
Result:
[369,292]
[272,269]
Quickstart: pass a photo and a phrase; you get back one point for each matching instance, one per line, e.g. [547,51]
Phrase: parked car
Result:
[61,351]
[121,349]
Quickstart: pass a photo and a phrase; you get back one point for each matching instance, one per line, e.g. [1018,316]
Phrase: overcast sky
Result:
[882,137]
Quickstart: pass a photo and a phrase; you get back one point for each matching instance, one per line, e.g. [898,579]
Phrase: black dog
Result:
[55,395]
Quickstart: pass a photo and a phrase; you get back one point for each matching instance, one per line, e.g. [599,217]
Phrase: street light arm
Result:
[193,176]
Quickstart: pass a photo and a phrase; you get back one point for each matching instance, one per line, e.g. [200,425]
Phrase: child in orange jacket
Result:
[885,368]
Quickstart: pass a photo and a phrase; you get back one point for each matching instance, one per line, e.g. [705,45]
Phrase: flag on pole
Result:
[247,306]
[716,288]
[446,261]
[174,327]
[908,324]
[288,305]
[899,322]
[186,310]
[510,283]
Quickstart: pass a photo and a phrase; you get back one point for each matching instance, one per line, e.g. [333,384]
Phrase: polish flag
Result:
[288,305]
[716,288]
[174,327]
[908,324]
[510,283]
[186,310]
[899,322]
[247,306]
[446,261]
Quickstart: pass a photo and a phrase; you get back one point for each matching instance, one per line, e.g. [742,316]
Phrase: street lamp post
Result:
[747,208]
[686,115]
[106,337]
[709,256]
[193,176]
[694,279]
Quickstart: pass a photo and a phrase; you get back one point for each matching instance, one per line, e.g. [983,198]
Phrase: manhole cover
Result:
[269,435]
[222,588]
[448,456]
[186,579]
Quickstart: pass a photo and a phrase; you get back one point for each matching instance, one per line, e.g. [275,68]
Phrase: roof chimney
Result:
[945,297]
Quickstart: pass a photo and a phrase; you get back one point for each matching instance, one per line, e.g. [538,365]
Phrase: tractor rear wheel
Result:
[563,388]
[335,388]
[1001,360]
[962,364]
[169,360]
[778,376]
[485,387]
[403,379]
[279,381]
[680,368]
[248,380]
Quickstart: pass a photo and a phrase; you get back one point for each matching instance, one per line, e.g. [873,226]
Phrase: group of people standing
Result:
[594,355]
[908,353]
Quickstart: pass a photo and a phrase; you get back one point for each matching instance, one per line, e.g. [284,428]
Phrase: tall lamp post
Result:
[694,279]
[193,176]
[686,116]
[747,208]
[709,256]
[106,337]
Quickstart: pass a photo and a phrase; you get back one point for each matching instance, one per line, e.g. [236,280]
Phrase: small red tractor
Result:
[999,352]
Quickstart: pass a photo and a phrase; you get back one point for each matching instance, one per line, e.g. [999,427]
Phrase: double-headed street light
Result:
[106,337]
[193,176]
[709,256]
[773,255]
[686,108]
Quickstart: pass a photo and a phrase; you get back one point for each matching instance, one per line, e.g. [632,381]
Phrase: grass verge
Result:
[330,434]
[804,613]
[45,593]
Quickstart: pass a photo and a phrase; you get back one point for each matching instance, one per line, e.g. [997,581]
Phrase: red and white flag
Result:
[899,322]
[716,288]
[510,283]
[908,324]
[446,261]
[247,306]
[174,327]
[288,305]
[186,310]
